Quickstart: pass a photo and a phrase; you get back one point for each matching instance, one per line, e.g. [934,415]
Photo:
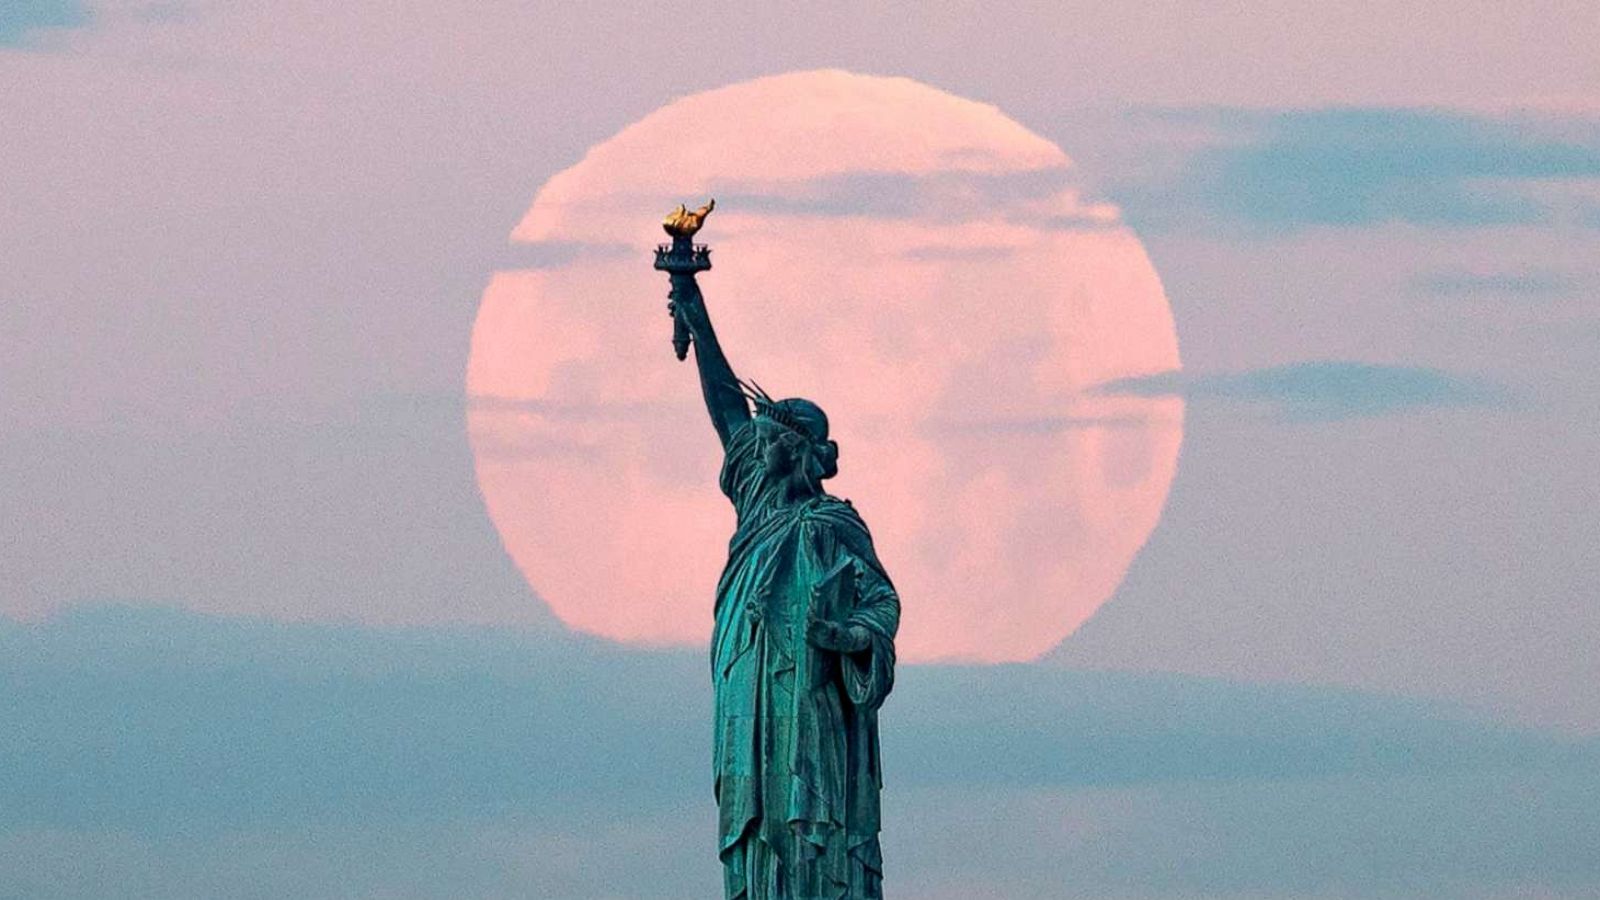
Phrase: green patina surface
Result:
[802,652]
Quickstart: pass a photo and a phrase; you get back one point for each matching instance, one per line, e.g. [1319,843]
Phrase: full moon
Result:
[920,265]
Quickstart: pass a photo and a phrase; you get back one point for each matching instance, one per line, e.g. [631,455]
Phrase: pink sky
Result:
[249,243]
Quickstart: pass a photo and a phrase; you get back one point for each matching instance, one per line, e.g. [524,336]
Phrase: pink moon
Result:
[920,265]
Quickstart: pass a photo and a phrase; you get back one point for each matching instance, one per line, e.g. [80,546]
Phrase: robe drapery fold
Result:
[796,753]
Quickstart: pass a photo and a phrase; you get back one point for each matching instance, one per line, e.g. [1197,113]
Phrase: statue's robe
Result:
[796,727]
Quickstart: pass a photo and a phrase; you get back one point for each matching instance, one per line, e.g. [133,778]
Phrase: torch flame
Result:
[683,223]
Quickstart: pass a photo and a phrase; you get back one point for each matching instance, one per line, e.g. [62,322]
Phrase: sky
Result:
[257,623]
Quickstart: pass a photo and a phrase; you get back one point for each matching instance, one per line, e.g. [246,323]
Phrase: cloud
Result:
[513,428]
[202,756]
[1528,284]
[195,720]
[1045,198]
[946,427]
[1292,169]
[1322,390]
[958,252]
[20,18]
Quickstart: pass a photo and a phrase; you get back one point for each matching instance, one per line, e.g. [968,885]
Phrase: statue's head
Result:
[793,434]
[793,438]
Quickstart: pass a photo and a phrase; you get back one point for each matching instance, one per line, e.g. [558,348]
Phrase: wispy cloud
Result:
[1527,284]
[1044,198]
[1025,425]
[1290,169]
[19,19]
[958,252]
[1322,390]
[512,429]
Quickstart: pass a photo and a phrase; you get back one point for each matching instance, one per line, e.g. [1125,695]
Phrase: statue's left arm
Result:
[869,673]
[865,638]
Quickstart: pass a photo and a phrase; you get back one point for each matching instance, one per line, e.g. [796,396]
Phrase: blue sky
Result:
[1277,172]
[22,18]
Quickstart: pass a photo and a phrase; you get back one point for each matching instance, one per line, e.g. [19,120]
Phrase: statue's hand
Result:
[685,303]
[836,636]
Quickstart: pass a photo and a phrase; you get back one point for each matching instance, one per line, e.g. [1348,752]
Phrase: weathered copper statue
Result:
[802,651]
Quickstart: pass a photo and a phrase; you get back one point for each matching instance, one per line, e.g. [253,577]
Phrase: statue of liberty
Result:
[802,649]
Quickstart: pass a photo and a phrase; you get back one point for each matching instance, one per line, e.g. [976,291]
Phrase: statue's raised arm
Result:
[724,401]
[681,260]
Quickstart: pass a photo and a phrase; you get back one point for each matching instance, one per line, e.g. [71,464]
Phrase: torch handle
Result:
[680,333]
[683,293]
[680,261]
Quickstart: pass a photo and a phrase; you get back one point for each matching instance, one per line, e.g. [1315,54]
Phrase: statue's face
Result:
[781,449]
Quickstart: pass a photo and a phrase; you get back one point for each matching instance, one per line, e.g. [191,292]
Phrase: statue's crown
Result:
[798,415]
